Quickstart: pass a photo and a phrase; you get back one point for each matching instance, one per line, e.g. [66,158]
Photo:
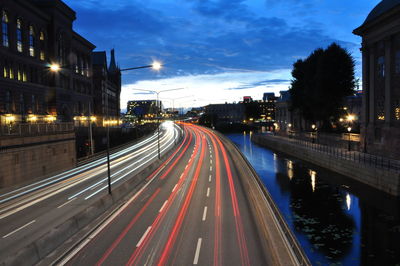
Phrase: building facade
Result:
[226,113]
[34,35]
[380,116]
[106,88]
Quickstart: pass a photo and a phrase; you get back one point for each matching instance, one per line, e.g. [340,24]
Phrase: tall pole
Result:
[158,126]
[91,131]
[108,152]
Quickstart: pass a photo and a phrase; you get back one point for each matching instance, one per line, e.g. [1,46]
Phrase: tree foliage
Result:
[321,82]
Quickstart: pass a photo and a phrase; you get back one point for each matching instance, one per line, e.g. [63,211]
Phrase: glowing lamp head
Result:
[156,65]
[349,129]
[350,118]
[313,126]
[55,67]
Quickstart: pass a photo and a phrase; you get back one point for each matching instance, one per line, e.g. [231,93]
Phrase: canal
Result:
[336,220]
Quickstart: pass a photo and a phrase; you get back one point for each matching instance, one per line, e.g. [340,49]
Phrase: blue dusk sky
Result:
[217,50]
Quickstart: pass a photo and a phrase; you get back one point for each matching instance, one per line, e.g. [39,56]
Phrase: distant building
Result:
[142,110]
[247,99]
[268,106]
[226,113]
[35,34]
[380,116]
[283,115]
[106,87]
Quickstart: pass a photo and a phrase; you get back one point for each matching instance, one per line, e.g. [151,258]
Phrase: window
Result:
[381,66]
[42,46]
[31,41]
[11,76]
[5,71]
[33,102]
[24,77]
[19,74]
[397,62]
[4,26]
[19,36]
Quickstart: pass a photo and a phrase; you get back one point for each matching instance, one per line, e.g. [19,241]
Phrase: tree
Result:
[321,82]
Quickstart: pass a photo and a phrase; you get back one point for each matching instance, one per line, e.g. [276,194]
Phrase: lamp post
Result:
[349,143]
[158,113]
[155,65]
[313,132]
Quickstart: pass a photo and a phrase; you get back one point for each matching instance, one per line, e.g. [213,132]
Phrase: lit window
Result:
[19,36]
[4,26]
[41,37]
[24,78]
[42,55]
[381,66]
[31,41]
[397,62]
[11,73]
[5,72]
[19,75]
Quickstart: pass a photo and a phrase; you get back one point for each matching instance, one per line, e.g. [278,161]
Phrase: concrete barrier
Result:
[279,244]
[34,252]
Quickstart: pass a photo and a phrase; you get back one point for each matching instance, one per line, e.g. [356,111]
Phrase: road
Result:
[192,210]
[31,211]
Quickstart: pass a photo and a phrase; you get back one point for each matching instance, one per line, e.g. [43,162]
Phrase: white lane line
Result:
[181,176]
[186,166]
[210,161]
[210,168]
[143,237]
[62,205]
[211,155]
[204,214]
[16,230]
[162,207]
[209,178]
[197,254]
[208,192]
[174,188]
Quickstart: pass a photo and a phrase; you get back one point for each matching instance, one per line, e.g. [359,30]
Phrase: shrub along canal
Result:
[336,220]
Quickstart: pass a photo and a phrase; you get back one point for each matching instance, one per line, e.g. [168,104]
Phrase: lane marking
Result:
[186,166]
[197,254]
[22,227]
[174,188]
[205,213]
[162,207]
[208,192]
[181,176]
[209,178]
[210,161]
[62,205]
[210,168]
[143,237]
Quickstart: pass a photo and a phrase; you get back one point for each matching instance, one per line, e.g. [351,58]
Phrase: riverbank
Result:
[386,178]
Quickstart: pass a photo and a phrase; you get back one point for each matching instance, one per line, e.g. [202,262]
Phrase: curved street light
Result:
[158,112]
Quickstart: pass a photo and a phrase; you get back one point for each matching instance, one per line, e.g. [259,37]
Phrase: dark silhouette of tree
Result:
[321,82]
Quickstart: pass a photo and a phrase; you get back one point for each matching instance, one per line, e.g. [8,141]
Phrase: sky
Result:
[216,51]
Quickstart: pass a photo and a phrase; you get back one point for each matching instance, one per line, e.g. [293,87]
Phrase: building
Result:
[225,113]
[142,110]
[247,99]
[106,88]
[268,106]
[283,115]
[380,117]
[34,35]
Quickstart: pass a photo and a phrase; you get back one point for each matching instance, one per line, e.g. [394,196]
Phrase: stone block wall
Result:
[26,158]
[387,181]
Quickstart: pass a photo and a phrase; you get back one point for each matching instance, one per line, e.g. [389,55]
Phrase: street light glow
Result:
[156,65]
[54,67]
[351,118]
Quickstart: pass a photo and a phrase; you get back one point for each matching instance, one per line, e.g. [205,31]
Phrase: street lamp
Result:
[349,143]
[158,113]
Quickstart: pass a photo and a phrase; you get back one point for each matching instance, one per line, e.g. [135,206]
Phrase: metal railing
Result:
[340,153]
[32,129]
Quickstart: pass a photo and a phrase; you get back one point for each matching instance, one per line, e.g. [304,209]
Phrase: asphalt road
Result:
[30,211]
[192,211]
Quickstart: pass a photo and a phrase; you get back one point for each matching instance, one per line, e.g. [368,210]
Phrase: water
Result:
[336,220]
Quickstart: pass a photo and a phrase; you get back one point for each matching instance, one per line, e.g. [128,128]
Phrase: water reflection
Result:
[336,220]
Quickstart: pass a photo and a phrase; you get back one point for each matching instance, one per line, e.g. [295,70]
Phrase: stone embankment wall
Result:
[385,180]
[23,158]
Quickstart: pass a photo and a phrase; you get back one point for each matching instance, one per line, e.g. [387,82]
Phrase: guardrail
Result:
[28,129]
